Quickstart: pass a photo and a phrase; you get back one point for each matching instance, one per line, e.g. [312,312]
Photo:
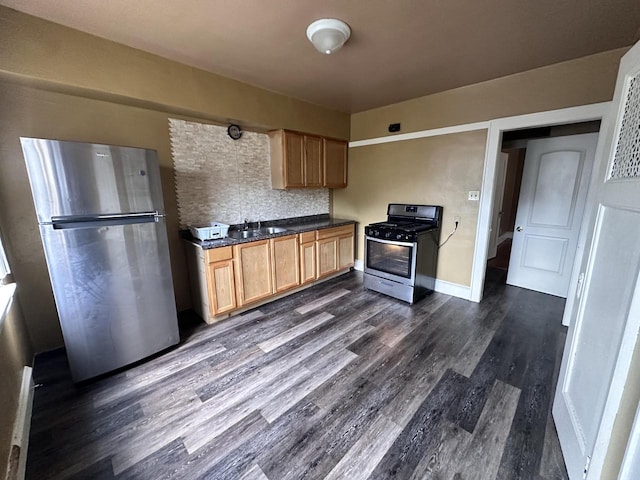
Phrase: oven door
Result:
[389,259]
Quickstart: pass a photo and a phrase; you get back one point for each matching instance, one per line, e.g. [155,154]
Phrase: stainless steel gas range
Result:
[401,254]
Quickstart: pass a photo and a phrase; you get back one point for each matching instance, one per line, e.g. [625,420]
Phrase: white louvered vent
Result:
[626,159]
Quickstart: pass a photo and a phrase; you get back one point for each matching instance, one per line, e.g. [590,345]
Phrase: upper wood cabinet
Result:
[299,160]
[334,163]
[293,159]
[313,162]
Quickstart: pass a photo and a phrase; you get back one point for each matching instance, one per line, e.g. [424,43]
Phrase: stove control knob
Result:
[387,235]
[399,236]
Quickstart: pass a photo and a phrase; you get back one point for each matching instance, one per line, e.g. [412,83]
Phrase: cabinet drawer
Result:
[307,237]
[218,254]
[334,232]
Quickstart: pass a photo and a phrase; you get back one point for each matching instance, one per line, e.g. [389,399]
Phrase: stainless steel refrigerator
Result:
[102,222]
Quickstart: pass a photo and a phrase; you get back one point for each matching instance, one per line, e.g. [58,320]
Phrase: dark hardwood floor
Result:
[334,382]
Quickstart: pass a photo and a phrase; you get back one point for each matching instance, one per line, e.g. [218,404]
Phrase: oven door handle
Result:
[390,242]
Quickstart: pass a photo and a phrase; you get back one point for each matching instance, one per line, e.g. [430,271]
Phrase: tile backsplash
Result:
[220,179]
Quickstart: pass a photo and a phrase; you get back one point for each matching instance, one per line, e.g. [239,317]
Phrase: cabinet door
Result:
[253,271]
[308,262]
[221,286]
[345,251]
[312,161]
[327,250]
[293,160]
[284,259]
[335,163]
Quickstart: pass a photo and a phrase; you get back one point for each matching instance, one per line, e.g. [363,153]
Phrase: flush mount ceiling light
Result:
[328,34]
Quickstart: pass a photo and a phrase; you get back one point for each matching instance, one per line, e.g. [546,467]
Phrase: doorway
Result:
[565,116]
[541,182]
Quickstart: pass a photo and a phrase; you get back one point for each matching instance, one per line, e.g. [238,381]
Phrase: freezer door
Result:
[114,293]
[83,179]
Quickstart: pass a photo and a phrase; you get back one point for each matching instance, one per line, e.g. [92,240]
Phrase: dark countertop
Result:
[292,225]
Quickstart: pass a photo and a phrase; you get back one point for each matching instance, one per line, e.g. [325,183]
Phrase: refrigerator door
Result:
[114,292]
[71,179]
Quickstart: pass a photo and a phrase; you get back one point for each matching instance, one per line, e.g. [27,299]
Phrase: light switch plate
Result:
[474,195]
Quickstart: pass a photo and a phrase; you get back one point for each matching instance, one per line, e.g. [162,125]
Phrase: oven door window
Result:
[389,258]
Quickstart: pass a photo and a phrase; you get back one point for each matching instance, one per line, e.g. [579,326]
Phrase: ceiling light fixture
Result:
[328,34]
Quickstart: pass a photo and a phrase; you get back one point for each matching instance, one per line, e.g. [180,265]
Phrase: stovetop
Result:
[406,222]
[404,226]
[406,232]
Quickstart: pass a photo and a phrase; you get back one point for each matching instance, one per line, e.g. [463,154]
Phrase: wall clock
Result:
[234,131]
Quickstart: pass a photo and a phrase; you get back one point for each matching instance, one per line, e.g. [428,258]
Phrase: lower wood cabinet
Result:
[222,290]
[285,263]
[253,271]
[345,251]
[327,256]
[334,249]
[308,271]
[227,278]
[211,273]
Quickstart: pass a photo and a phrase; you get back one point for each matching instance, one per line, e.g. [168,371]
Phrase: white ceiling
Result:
[399,49]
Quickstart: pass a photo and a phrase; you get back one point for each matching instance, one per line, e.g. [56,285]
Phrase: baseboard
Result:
[453,289]
[21,428]
[504,237]
[358,265]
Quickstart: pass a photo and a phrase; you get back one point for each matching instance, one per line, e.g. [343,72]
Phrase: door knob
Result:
[519,228]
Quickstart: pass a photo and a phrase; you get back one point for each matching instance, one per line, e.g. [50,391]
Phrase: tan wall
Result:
[71,61]
[56,82]
[568,84]
[15,353]
[405,171]
[437,170]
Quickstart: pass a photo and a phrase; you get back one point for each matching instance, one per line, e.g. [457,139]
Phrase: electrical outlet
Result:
[474,195]
[456,219]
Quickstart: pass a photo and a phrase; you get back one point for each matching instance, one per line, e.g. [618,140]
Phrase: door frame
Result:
[584,113]
[498,191]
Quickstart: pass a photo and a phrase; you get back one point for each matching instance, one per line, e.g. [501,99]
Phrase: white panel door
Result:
[597,356]
[498,199]
[554,188]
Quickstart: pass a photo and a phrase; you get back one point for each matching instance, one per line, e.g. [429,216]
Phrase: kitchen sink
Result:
[239,234]
[256,232]
[272,230]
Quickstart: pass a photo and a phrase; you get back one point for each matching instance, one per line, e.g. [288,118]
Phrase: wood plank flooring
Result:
[334,382]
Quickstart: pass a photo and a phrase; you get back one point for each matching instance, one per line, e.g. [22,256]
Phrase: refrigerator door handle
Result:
[105,221]
[93,218]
